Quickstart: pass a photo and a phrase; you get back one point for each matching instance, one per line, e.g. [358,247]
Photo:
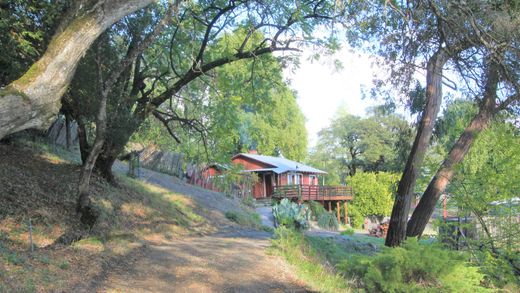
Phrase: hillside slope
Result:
[158,224]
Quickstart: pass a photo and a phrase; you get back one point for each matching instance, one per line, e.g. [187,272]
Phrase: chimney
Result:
[252,152]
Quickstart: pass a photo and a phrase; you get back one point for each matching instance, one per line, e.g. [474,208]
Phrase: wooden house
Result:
[280,177]
[272,172]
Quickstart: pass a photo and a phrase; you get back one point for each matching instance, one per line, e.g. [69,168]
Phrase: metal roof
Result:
[281,165]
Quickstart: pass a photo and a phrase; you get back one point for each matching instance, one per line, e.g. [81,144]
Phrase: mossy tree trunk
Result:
[33,100]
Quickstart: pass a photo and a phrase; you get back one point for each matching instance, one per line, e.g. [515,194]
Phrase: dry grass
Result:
[39,186]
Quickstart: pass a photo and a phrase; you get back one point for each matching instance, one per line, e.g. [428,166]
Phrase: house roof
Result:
[280,165]
[217,166]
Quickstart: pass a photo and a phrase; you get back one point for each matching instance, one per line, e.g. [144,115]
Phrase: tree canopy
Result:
[379,142]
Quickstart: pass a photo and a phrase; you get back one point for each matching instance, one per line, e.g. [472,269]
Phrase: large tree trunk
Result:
[84,147]
[107,159]
[444,174]
[33,100]
[84,207]
[405,190]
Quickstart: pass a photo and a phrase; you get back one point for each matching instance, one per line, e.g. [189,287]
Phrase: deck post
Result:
[330,206]
[346,211]
[338,212]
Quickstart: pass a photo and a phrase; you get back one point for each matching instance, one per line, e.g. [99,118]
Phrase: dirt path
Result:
[216,263]
[231,260]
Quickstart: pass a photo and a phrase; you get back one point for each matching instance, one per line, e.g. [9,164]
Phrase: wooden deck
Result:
[314,192]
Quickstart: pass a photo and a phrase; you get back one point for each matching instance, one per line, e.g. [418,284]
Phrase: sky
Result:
[322,89]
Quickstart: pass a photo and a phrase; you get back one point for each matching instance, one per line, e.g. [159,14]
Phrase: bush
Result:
[356,218]
[374,193]
[328,221]
[414,267]
[290,214]
[232,216]
[317,209]
[348,232]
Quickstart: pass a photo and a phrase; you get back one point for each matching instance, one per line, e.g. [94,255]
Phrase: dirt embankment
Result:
[154,235]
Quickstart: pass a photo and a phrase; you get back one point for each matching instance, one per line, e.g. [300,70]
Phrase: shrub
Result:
[317,209]
[328,221]
[374,193]
[232,216]
[290,214]
[348,232]
[249,201]
[356,218]
[414,267]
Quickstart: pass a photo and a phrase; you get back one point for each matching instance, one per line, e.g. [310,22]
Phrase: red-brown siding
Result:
[250,164]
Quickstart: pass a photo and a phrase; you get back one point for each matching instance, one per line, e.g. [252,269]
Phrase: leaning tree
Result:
[33,100]
[194,45]
[476,43]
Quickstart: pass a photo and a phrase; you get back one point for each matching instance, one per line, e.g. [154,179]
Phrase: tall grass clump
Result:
[292,245]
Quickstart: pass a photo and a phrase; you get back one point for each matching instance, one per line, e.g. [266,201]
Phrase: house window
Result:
[294,179]
[312,180]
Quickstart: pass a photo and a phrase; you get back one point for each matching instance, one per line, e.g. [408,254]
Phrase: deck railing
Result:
[314,192]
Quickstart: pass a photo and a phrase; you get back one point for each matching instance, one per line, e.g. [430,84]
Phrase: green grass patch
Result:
[307,261]
[348,232]
[245,218]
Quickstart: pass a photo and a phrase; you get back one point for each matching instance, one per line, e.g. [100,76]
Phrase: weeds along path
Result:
[234,259]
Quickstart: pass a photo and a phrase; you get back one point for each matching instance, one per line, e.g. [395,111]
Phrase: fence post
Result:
[338,215]
[346,212]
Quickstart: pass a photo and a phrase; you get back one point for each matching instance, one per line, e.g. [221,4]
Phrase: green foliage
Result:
[348,232]
[65,265]
[244,218]
[249,105]
[232,177]
[293,246]
[232,216]
[455,118]
[292,215]
[356,218]
[412,268]
[374,193]
[485,188]
[328,221]
[352,144]
[316,208]
[27,27]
